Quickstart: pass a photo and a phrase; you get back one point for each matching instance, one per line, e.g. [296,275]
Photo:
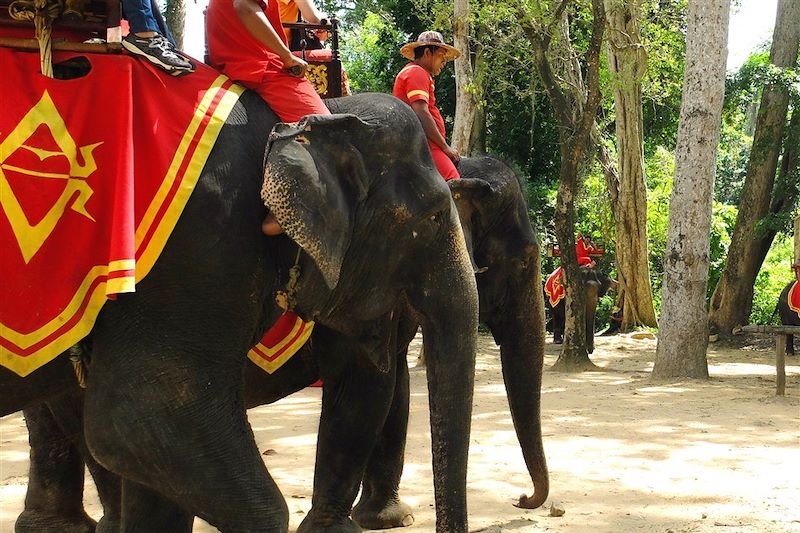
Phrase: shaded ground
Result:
[624,454]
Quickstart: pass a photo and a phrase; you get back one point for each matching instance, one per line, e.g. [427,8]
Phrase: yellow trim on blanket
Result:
[271,365]
[789,297]
[25,365]
[148,257]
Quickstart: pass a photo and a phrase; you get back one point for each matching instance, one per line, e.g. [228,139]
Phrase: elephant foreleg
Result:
[355,403]
[379,506]
[54,501]
[147,511]
[68,412]
[559,320]
[183,432]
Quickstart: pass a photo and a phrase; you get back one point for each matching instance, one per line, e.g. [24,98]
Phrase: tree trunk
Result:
[787,187]
[733,296]
[797,244]
[683,338]
[627,63]
[575,110]
[176,18]
[477,141]
[466,90]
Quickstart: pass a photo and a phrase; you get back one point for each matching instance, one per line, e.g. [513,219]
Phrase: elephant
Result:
[505,252]
[597,284]
[164,407]
[788,316]
[500,238]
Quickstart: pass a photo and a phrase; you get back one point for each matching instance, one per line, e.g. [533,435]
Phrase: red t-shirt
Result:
[233,49]
[582,250]
[412,84]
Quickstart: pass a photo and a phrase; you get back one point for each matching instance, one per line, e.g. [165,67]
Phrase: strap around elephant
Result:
[286,299]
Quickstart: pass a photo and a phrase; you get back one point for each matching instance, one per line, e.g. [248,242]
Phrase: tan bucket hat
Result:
[429,38]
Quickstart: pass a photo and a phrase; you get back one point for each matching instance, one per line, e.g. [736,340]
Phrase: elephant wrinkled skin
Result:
[494,217]
[165,403]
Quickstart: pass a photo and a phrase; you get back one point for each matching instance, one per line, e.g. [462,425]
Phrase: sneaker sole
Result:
[154,60]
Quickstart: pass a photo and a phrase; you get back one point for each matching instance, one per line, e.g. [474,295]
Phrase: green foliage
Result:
[771,279]
[663,36]
[723,220]
[370,52]
[521,128]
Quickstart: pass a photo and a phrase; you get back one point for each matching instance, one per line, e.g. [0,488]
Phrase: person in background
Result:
[297,11]
[414,86]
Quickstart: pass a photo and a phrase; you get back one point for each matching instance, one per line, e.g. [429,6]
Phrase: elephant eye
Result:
[302,139]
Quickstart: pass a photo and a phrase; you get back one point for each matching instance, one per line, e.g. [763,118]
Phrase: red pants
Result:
[290,97]
[444,164]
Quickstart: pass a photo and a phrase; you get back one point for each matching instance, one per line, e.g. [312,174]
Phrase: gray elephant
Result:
[494,217]
[597,284]
[505,251]
[789,316]
[496,226]
[165,407]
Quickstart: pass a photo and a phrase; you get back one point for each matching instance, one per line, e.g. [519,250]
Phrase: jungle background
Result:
[516,123]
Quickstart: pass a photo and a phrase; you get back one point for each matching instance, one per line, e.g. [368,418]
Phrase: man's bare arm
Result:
[309,11]
[256,22]
[420,107]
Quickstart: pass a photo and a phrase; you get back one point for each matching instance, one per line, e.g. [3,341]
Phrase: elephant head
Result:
[505,249]
[344,217]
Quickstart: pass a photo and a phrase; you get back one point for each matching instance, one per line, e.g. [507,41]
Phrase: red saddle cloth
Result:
[554,287]
[77,228]
[794,298]
[281,342]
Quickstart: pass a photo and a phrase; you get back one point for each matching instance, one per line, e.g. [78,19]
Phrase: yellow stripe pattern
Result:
[418,92]
[271,365]
[25,365]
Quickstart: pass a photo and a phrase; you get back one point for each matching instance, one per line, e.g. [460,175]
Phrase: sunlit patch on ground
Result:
[624,454]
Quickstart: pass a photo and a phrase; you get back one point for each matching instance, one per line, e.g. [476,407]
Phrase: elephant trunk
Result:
[449,305]
[522,353]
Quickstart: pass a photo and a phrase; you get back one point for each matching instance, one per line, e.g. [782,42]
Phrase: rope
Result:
[76,358]
[286,299]
[42,13]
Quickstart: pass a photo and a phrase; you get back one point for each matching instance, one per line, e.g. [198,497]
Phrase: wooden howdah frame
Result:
[84,20]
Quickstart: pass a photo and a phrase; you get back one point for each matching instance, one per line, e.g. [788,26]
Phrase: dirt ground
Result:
[624,454]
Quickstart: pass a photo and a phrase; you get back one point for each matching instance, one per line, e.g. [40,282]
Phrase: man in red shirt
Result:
[246,41]
[414,86]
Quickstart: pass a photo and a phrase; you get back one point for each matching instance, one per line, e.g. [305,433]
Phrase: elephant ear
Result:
[467,193]
[313,179]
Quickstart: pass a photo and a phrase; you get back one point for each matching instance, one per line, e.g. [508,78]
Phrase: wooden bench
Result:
[781,333]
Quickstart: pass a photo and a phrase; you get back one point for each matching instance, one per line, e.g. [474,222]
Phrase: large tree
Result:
[733,297]
[627,64]
[176,20]
[466,89]
[683,336]
[575,106]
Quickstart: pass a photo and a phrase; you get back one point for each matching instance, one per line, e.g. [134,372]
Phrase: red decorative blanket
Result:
[281,342]
[554,286]
[794,298]
[76,228]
